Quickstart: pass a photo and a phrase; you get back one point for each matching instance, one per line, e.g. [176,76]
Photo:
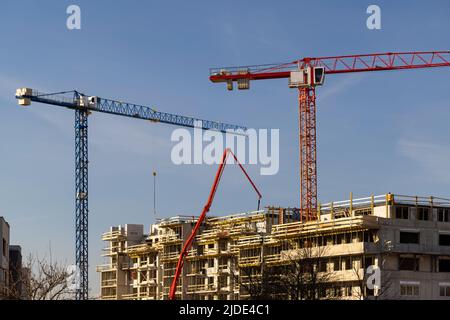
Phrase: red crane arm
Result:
[338,64]
[201,218]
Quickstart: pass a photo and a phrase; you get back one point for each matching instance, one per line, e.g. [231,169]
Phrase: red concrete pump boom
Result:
[201,218]
[307,73]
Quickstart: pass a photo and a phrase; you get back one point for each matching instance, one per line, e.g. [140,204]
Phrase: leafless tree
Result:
[40,279]
[259,282]
[362,281]
[298,277]
[302,277]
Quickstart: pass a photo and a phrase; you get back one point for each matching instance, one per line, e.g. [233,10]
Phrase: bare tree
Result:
[259,282]
[298,277]
[40,279]
[362,281]
[302,277]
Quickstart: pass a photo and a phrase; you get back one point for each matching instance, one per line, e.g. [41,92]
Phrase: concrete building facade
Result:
[380,247]
[4,256]
[18,275]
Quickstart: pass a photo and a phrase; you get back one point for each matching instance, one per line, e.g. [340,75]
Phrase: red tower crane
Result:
[307,73]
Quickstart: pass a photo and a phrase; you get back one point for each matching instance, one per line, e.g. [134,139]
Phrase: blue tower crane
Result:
[83,105]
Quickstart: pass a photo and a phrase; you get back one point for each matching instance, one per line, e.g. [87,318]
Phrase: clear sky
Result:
[377,132]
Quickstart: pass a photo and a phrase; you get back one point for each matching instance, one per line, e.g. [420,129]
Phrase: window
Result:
[409,290]
[363,212]
[408,264]
[336,264]
[444,265]
[348,291]
[444,290]
[337,292]
[443,214]
[356,262]
[401,213]
[444,239]
[348,237]
[329,240]
[347,262]
[368,261]
[4,247]
[323,266]
[357,237]
[370,292]
[368,236]
[409,237]
[322,292]
[423,213]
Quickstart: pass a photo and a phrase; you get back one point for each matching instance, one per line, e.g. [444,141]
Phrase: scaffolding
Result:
[232,251]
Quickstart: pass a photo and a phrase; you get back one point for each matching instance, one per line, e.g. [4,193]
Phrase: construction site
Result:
[379,247]
[302,241]
[407,237]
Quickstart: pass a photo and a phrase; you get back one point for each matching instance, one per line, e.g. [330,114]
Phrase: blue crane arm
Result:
[78,101]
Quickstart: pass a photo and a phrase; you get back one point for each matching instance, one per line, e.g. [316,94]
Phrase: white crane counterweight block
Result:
[20,93]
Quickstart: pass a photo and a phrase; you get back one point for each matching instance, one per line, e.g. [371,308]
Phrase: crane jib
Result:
[83,105]
[132,111]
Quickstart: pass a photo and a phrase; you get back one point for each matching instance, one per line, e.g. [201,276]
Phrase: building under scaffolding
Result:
[257,254]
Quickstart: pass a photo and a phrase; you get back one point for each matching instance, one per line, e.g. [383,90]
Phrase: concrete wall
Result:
[4,253]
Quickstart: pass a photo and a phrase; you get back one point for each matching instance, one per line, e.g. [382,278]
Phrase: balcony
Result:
[210,252]
[296,229]
[106,267]
[273,258]
[197,288]
[114,235]
[249,261]
[170,238]
[130,296]
[128,266]
[192,253]
[112,250]
[211,270]
[147,265]
[109,283]
[195,272]
[226,251]
[225,289]
[170,256]
[224,269]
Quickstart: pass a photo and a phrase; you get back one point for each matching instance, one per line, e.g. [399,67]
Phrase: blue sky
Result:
[377,133]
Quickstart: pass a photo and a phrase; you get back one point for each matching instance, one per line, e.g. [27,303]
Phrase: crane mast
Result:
[305,75]
[83,105]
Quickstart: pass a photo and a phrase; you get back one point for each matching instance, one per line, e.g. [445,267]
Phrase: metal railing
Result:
[106,267]
[109,282]
[113,234]
[201,287]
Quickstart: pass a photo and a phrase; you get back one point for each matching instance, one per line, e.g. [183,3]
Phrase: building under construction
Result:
[379,247]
